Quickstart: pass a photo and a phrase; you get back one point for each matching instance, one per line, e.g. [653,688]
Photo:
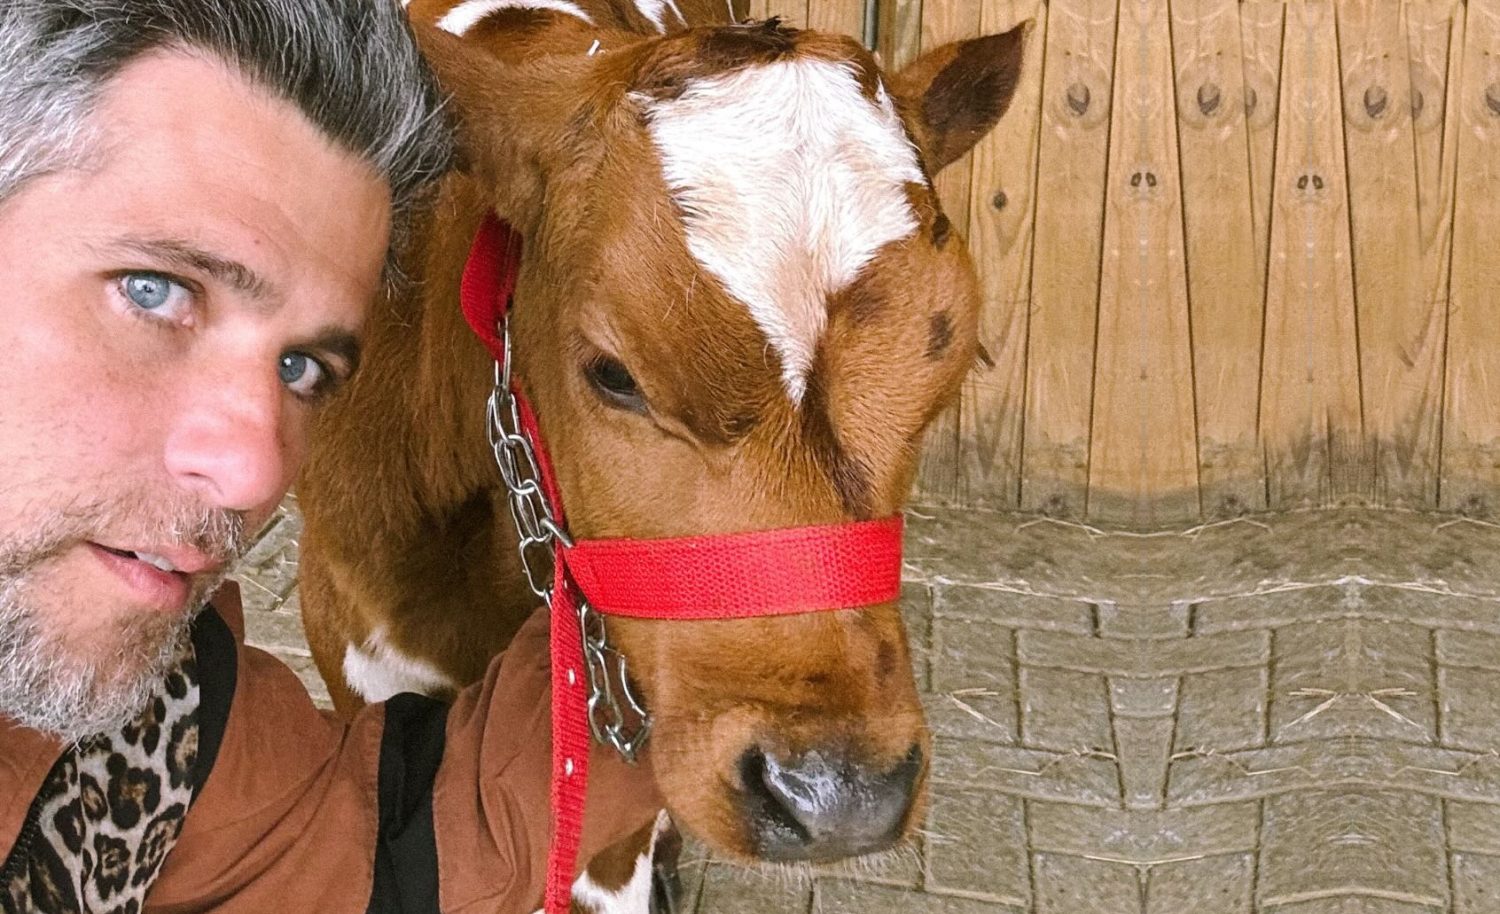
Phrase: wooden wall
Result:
[1236,255]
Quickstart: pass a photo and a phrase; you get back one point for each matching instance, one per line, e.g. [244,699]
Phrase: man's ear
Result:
[510,117]
[955,93]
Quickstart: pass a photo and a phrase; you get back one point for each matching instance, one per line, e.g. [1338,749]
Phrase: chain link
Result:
[617,718]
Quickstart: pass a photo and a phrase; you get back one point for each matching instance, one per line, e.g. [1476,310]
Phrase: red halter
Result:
[738,575]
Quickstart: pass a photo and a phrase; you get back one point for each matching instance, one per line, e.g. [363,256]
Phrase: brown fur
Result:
[406,527]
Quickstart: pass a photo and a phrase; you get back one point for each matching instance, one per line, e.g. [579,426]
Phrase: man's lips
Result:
[149,586]
[169,559]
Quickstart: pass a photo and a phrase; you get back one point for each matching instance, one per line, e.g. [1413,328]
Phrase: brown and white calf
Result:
[739,308]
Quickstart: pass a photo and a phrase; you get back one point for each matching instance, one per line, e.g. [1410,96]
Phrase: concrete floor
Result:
[1297,714]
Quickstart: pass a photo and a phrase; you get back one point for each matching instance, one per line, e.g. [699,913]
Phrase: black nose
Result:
[820,806]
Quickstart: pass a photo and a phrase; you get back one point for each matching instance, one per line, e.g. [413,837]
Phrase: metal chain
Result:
[616,716]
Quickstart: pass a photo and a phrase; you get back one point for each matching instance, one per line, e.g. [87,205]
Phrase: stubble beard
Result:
[74,687]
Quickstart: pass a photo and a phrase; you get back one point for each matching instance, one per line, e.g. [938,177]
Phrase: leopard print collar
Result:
[111,808]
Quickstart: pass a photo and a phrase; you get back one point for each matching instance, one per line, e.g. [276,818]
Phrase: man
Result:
[196,198]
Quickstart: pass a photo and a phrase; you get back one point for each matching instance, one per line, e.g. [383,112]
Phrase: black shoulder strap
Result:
[411,749]
[217,657]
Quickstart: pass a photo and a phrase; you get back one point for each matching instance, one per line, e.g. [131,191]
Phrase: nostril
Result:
[814,806]
[773,808]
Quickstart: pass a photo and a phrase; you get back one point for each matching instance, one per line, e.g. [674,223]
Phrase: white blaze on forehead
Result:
[468,14]
[790,179]
[656,10]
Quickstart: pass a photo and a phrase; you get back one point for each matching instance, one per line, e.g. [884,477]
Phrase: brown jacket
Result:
[302,812]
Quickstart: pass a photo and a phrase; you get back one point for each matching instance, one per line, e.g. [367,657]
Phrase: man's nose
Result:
[229,443]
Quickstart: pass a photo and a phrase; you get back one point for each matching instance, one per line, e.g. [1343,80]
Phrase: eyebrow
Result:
[187,256]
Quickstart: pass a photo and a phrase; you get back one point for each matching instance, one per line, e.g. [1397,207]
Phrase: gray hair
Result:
[350,66]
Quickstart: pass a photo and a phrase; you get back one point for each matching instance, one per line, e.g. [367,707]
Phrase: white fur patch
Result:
[635,896]
[377,671]
[468,14]
[656,11]
[632,898]
[791,180]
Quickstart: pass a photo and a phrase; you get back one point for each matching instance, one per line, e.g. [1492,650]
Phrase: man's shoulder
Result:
[231,611]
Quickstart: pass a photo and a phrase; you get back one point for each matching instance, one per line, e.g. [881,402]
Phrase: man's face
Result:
[170,316]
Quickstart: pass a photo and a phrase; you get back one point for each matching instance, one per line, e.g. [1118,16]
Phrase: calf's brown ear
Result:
[954,94]
[509,116]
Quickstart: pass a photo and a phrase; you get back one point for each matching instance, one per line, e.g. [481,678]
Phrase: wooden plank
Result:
[1435,203]
[1260,34]
[1071,161]
[1000,240]
[1143,458]
[1226,276]
[898,32]
[937,479]
[1471,427]
[1400,334]
[1310,407]
[845,17]
[1433,30]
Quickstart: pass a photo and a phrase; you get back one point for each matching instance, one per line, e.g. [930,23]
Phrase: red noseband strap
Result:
[733,576]
[740,575]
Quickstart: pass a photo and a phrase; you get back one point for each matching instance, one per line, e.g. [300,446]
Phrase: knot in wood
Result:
[1210,96]
[1078,96]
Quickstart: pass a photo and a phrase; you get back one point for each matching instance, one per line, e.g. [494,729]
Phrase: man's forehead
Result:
[192,152]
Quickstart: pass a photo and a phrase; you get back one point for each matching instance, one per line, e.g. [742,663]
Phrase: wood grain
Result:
[1311,423]
[1226,275]
[898,31]
[1400,334]
[1260,34]
[845,17]
[1000,240]
[1143,460]
[1471,427]
[1072,156]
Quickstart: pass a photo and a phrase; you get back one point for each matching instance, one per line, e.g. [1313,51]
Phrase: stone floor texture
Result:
[1290,714]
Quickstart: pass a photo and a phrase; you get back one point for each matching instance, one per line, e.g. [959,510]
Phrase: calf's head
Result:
[740,306]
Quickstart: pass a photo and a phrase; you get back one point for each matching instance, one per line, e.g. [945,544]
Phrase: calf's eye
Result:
[614,383]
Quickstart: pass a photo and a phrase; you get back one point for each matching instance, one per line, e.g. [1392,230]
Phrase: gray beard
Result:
[73,694]
[74,691]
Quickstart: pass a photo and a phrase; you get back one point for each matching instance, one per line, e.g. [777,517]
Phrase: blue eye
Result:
[302,374]
[156,296]
[147,290]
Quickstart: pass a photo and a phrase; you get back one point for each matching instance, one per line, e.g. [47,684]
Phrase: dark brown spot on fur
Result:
[885,661]
[939,334]
[666,73]
[941,230]
[851,480]
[733,47]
